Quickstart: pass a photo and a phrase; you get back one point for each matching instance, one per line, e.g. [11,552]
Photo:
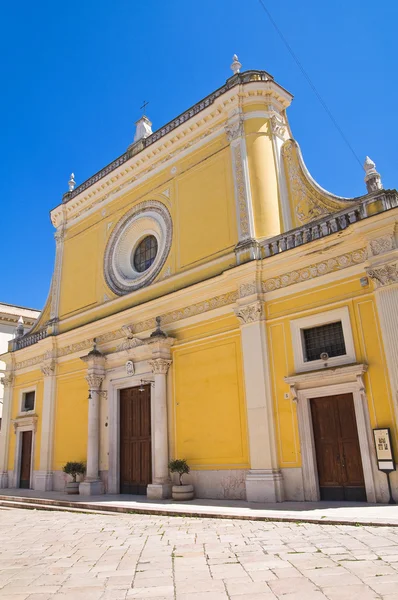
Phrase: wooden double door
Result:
[337,448]
[135,440]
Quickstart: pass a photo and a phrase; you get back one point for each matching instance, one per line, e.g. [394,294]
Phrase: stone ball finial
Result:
[372,177]
[72,182]
[236,65]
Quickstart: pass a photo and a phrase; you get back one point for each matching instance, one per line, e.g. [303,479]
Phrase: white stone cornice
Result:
[327,375]
[25,421]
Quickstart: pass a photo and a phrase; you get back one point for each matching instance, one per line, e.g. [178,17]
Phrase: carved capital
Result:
[251,313]
[94,380]
[7,380]
[59,235]
[384,275]
[160,366]
[48,368]
[234,130]
[278,126]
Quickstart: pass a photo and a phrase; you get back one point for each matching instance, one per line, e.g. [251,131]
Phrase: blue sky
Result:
[75,74]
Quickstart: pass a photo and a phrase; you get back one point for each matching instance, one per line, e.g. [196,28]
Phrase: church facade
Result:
[210,301]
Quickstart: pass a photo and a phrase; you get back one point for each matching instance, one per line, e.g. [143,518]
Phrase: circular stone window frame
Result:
[146,218]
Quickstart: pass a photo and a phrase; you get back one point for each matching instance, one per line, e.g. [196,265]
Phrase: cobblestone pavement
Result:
[70,556]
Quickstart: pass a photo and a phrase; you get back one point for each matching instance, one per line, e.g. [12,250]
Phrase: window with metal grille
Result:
[28,401]
[325,338]
[145,253]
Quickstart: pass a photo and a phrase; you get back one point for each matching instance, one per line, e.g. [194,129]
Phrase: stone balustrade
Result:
[367,206]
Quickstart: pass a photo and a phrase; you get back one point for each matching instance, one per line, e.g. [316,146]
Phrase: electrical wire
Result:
[312,86]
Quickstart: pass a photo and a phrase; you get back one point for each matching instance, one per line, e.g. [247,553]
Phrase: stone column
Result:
[92,485]
[161,485]
[44,477]
[7,381]
[264,480]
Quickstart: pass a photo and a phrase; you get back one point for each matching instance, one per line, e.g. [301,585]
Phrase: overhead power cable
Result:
[308,78]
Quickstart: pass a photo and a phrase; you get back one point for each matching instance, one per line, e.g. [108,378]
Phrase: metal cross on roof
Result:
[143,107]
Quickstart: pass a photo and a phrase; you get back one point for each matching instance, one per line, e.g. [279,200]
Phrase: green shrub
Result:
[180,466]
[74,469]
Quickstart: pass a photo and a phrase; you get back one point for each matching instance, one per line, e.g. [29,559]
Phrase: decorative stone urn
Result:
[182,492]
[72,487]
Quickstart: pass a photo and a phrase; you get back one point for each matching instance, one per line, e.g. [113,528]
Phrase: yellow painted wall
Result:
[79,271]
[368,349]
[205,211]
[71,414]
[24,383]
[210,413]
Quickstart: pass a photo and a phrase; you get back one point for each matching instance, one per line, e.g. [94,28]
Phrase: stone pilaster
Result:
[7,382]
[44,477]
[264,480]
[92,485]
[59,236]
[385,277]
[247,247]
[383,270]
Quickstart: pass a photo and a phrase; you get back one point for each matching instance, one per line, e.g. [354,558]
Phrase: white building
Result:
[10,316]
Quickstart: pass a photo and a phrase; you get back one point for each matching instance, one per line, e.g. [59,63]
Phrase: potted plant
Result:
[73,469]
[181,491]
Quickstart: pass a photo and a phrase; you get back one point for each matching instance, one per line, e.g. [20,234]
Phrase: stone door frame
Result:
[333,383]
[21,425]
[118,380]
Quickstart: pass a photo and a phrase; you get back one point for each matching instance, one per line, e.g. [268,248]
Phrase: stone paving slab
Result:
[315,512]
[71,556]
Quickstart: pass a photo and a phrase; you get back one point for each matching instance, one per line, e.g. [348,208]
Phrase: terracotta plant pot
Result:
[72,487]
[182,492]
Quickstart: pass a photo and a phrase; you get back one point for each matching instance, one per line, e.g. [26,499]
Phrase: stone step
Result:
[9,504]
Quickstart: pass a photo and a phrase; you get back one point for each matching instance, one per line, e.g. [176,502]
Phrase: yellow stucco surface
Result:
[71,415]
[210,421]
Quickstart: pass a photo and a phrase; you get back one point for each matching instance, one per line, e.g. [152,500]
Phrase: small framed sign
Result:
[384,453]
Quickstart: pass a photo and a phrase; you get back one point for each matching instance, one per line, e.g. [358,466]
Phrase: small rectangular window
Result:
[325,338]
[28,401]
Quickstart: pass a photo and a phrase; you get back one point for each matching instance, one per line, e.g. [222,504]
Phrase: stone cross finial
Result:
[72,182]
[236,65]
[372,177]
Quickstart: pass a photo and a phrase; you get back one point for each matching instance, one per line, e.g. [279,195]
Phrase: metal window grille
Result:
[29,401]
[145,253]
[326,338]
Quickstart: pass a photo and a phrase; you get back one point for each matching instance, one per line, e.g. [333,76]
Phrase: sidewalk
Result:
[348,513]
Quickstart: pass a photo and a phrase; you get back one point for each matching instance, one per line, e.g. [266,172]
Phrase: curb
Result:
[86,508]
